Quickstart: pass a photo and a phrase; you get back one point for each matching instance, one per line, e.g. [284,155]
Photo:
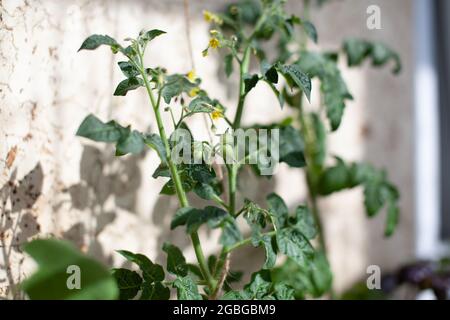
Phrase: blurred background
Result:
[53,183]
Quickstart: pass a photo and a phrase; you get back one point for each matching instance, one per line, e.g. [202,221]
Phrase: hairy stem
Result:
[176,178]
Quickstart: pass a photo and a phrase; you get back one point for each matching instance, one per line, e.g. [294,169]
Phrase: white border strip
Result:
[426,113]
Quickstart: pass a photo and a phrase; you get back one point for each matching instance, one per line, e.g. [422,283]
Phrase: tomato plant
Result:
[299,141]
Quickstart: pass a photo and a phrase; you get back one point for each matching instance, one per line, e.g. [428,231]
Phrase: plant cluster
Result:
[241,33]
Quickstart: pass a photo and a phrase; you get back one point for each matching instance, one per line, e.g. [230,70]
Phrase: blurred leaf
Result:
[358,50]
[50,281]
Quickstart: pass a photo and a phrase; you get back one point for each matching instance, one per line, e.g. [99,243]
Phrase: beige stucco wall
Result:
[53,183]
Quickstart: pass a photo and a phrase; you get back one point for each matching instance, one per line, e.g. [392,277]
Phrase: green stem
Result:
[232,186]
[243,69]
[246,241]
[176,178]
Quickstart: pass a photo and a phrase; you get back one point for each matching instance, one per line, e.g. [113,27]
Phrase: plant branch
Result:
[175,176]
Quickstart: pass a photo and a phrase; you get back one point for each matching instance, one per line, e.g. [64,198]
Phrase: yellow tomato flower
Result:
[216,115]
[214,43]
[208,16]
[194,92]
[211,17]
[191,75]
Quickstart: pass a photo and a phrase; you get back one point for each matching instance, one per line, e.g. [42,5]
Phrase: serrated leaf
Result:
[358,50]
[304,221]
[283,292]
[270,250]
[128,85]
[151,272]
[230,233]
[294,244]
[128,281]
[49,282]
[176,263]
[278,209]
[333,87]
[294,75]
[186,289]
[260,284]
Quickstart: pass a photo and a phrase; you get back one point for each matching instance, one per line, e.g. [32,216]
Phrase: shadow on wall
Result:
[102,177]
[18,223]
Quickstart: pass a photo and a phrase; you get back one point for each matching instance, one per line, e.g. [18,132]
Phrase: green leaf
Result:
[260,284]
[291,148]
[358,50]
[270,250]
[283,292]
[294,75]
[50,281]
[176,263]
[278,209]
[235,295]
[154,141]
[294,244]
[128,69]
[334,179]
[333,86]
[127,141]
[250,81]
[201,104]
[194,218]
[304,221]
[392,219]
[155,291]
[310,30]
[128,281]
[94,129]
[127,85]
[228,65]
[152,34]
[151,272]
[312,279]
[230,233]
[186,289]
[96,40]
[131,142]
[271,75]
[175,85]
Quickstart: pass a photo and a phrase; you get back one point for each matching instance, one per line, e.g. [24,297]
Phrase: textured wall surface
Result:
[53,183]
